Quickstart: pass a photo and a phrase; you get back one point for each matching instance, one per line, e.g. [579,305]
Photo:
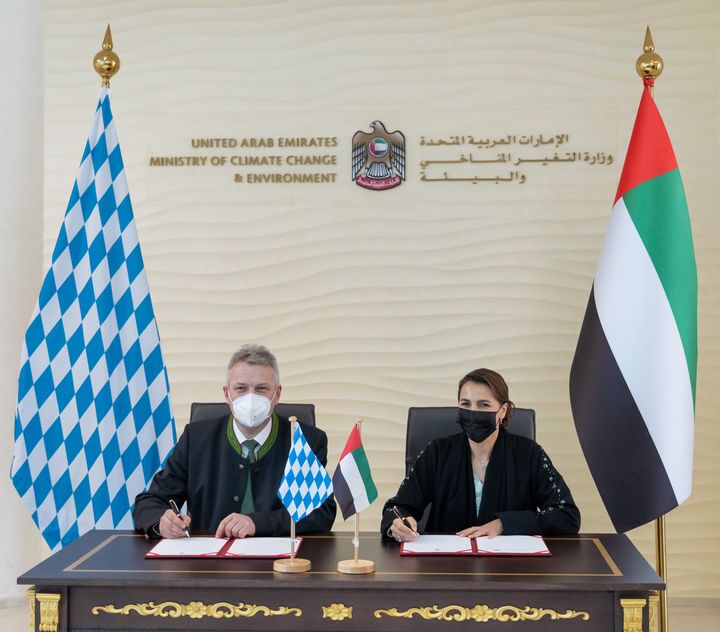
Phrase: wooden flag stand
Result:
[356,566]
[292,564]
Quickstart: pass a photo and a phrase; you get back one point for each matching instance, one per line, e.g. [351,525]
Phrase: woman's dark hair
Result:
[497,385]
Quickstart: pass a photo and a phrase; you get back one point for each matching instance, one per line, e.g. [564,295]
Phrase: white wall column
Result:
[21,189]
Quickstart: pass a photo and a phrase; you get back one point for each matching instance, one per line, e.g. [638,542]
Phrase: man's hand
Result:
[490,529]
[173,526]
[235,526]
[401,533]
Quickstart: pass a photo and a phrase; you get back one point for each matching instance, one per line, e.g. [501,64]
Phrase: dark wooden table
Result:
[591,583]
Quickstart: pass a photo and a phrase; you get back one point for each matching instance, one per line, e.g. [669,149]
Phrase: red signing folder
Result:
[522,545]
[222,548]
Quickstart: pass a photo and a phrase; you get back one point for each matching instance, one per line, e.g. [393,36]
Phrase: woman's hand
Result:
[401,533]
[490,529]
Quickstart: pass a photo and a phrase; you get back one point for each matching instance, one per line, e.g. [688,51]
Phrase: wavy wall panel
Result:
[374,302]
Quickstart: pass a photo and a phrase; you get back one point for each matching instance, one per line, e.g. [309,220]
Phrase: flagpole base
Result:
[356,567]
[297,565]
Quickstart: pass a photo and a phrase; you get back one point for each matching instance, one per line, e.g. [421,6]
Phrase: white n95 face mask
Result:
[251,409]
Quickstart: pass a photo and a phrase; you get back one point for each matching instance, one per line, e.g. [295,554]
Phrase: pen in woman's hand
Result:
[397,513]
[174,507]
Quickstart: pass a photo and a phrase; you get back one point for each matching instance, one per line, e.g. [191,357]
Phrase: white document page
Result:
[262,547]
[438,544]
[512,545]
[189,546]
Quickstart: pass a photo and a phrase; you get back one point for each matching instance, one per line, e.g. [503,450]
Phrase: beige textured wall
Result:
[377,301]
[20,255]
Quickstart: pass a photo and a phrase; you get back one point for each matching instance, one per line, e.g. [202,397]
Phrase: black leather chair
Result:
[434,422]
[305,413]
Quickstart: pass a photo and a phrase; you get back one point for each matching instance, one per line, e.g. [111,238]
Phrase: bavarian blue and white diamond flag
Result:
[93,420]
[305,484]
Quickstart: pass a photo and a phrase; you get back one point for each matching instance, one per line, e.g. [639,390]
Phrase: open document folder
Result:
[456,545]
[271,548]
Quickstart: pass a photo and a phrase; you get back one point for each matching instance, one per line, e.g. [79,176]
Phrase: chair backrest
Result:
[305,413]
[434,422]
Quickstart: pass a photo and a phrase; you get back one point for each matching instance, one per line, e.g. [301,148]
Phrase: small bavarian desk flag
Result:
[304,487]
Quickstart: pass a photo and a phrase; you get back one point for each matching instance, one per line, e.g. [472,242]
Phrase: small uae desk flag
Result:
[354,491]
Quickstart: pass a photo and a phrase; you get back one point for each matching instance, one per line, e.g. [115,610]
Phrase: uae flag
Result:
[632,382]
[352,481]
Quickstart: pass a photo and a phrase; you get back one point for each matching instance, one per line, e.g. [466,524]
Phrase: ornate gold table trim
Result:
[196,610]
[633,614]
[49,611]
[30,592]
[653,604]
[482,613]
[337,612]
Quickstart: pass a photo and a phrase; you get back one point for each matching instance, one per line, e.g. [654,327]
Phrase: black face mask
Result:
[477,425]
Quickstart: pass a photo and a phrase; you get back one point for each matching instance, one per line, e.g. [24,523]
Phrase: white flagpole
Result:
[356,539]
[292,539]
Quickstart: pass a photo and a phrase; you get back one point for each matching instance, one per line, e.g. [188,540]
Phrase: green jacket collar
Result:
[233,440]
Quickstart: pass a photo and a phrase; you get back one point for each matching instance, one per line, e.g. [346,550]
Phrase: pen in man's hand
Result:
[174,507]
[397,513]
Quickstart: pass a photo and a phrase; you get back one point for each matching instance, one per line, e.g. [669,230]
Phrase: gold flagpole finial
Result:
[106,62]
[649,65]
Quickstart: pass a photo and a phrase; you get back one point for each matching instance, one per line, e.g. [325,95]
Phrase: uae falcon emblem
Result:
[378,158]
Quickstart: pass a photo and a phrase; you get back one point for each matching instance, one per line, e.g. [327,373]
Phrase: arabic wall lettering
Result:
[528,151]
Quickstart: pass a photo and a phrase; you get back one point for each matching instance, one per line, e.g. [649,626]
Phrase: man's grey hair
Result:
[255,354]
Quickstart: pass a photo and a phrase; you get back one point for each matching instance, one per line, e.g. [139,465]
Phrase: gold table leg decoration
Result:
[653,603]
[49,611]
[196,610]
[30,592]
[481,613]
[632,614]
[337,612]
